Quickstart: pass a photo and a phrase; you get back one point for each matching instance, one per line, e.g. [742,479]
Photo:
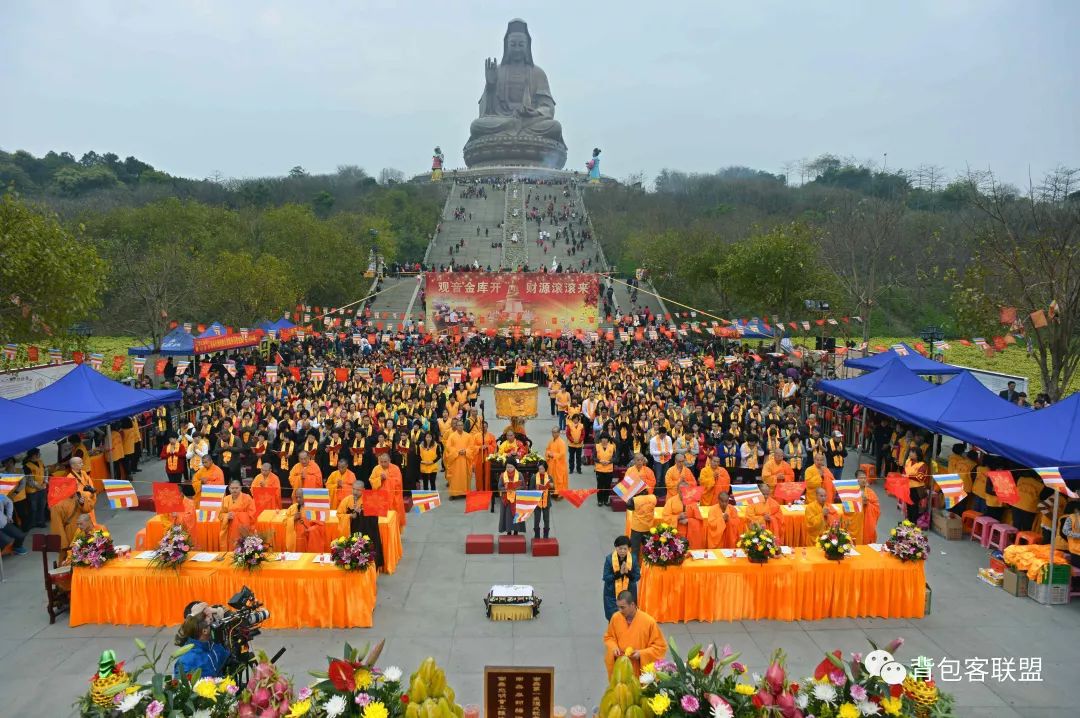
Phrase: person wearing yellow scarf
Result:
[621,573]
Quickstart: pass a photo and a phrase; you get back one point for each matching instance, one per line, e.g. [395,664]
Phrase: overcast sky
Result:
[251,88]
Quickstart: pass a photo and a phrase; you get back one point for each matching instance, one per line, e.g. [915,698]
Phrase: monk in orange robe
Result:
[67,517]
[679,473]
[266,478]
[681,510]
[306,474]
[388,476]
[237,516]
[456,457]
[633,633]
[482,445]
[767,513]
[208,474]
[864,527]
[715,480]
[734,524]
[303,533]
[638,470]
[819,514]
[339,483]
[776,470]
[819,475]
[556,454]
[84,484]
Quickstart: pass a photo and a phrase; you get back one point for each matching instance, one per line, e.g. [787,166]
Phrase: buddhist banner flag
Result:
[477,501]
[212,496]
[628,488]
[424,501]
[137,364]
[525,502]
[56,356]
[8,482]
[576,497]
[167,498]
[376,502]
[271,372]
[1004,486]
[10,351]
[117,362]
[900,349]
[685,362]
[849,494]
[744,494]
[121,494]
[952,489]
[182,367]
[788,491]
[456,374]
[408,375]
[96,360]
[230,366]
[318,373]
[60,488]
[1051,476]
[204,516]
[317,501]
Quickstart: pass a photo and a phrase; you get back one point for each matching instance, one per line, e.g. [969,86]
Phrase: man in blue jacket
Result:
[204,655]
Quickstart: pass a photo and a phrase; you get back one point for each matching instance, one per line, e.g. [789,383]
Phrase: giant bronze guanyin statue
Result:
[517,123]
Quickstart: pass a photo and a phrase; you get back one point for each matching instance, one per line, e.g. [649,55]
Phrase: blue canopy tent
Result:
[177,343]
[283,323]
[874,389]
[755,329]
[1047,437]
[26,427]
[913,360]
[85,390]
[140,351]
[216,329]
[962,398]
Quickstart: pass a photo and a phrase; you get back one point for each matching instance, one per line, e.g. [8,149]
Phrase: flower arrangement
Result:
[908,542]
[759,543]
[531,458]
[352,553]
[173,549]
[251,552]
[353,686]
[706,684]
[92,549]
[664,546]
[835,542]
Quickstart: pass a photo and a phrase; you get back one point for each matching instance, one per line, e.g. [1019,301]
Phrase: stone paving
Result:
[433,606]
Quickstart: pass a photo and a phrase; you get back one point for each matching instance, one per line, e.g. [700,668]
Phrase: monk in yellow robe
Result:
[734,525]
[632,633]
[819,476]
[638,470]
[642,518]
[84,485]
[557,456]
[776,470]
[267,479]
[339,482]
[304,534]
[66,517]
[387,476]
[238,516]
[482,445]
[208,474]
[767,513]
[456,458]
[715,480]
[820,514]
[306,474]
[679,473]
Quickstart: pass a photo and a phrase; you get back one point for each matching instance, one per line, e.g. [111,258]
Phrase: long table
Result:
[271,521]
[804,586]
[298,594]
[793,516]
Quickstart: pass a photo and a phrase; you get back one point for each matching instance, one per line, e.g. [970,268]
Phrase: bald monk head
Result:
[627,605]
[357,487]
[819,459]
[342,465]
[384,460]
[265,469]
[765,489]
[723,498]
[84,523]
[304,458]
[235,488]
[820,495]
[76,464]
[639,460]
[680,461]
[778,455]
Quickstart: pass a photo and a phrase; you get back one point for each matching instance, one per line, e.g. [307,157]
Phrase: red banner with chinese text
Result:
[496,300]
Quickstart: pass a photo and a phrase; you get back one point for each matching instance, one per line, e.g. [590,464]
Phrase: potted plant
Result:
[759,544]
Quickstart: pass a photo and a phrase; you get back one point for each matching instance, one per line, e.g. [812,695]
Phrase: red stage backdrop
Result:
[538,300]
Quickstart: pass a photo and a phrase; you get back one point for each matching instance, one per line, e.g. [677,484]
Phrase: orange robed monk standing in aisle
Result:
[557,456]
[456,458]
[632,633]
[237,516]
[483,444]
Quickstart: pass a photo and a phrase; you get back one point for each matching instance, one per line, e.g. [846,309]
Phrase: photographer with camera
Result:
[205,655]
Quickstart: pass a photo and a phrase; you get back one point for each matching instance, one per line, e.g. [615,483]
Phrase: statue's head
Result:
[517,44]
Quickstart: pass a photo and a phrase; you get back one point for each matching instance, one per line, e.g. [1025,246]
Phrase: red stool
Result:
[511,544]
[1074,591]
[980,530]
[1023,537]
[1001,535]
[545,547]
[967,519]
[479,543]
[616,503]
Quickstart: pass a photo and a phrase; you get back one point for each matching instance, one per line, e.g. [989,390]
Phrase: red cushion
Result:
[480,543]
[545,547]
[616,503]
[511,544]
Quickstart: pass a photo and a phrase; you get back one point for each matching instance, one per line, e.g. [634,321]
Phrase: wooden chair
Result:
[54,584]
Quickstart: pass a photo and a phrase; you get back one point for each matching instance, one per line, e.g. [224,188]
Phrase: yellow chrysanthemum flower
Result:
[848,710]
[225,684]
[649,668]
[745,689]
[891,706]
[659,704]
[652,530]
[363,679]
[300,708]
[205,687]
[375,710]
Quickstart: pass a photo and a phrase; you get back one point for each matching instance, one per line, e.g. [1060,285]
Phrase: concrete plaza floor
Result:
[433,606]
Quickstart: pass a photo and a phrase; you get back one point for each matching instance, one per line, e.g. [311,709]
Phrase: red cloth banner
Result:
[249,370]
[77,357]
[341,374]
[117,362]
[498,300]
[387,374]
[204,369]
[478,501]
[266,497]
[60,488]
[788,490]
[431,376]
[295,372]
[576,497]
[476,372]
[376,502]
[1004,486]
[167,498]
[32,353]
[159,367]
[896,484]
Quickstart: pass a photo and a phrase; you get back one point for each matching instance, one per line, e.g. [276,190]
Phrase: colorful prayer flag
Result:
[456,374]
[424,501]
[686,362]
[408,375]
[317,499]
[1051,476]
[56,356]
[900,350]
[10,350]
[182,366]
[96,360]
[204,516]
[951,487]
[212,496]
[137,364]
[121,494]
[849,493]
[318,373]
[230,366]
[8,482]
[628,488]
[525,502]
[477,501]
[744,494]
[271,372]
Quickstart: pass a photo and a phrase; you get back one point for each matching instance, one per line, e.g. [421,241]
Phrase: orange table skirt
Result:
[298,594]
[796,588]
[207,536]
[273,522]
[794,523]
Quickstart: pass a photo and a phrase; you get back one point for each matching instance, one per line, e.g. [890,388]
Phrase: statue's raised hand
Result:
[491,70]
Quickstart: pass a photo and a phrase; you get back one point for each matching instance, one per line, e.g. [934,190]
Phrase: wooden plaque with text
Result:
[518,692]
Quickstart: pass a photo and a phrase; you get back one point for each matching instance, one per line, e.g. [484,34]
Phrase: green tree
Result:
[50,278]
[242,289]
[323,202]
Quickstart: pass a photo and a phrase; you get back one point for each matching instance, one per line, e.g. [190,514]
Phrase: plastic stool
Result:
[140,538]
[1023,537]
[967,519]
[1001,535]
[980,530]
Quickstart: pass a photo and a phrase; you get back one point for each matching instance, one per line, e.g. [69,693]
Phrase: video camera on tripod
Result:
[237,627]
